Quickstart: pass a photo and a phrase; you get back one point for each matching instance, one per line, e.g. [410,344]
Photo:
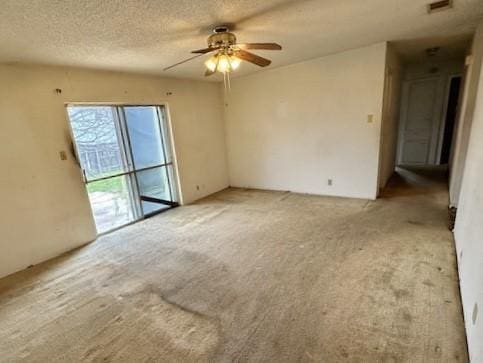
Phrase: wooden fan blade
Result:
[268,46]
[252,58]
[209,73]
[183,61]
[205,50]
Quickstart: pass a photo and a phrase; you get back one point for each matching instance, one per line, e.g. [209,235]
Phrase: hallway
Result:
[251,275]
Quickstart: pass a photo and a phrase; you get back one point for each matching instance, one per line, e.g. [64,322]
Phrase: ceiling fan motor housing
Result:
[223,39]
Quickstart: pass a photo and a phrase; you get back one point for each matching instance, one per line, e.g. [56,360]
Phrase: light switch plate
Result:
[370,118]
[468,60]
[63,155]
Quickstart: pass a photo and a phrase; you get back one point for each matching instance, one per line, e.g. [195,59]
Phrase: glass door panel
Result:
[113,202]
[154,189]
[154,183]
[104,162]
[145,136]
[148,136]
[98,140]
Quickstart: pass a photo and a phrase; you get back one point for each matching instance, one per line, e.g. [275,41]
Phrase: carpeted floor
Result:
[249,275]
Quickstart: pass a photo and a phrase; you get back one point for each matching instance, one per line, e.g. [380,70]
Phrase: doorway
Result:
[419,121]
[126,158]
[428,112]
[450,118]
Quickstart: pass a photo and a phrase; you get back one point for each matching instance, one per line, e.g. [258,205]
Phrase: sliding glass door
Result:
[149,145]
[125,154]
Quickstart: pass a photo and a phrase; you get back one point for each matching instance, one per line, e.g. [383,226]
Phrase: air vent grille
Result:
[440,5]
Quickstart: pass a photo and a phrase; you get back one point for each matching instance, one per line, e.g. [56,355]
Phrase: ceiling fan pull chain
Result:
[224,82]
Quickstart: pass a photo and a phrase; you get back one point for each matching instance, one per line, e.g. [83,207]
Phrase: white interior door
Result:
[419,122]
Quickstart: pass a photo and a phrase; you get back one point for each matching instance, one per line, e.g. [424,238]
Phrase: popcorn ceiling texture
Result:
[145,36]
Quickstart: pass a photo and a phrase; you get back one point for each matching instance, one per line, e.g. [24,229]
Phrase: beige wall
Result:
[45,210]
[465,117]
[295,127]
[390,115]
[469,227]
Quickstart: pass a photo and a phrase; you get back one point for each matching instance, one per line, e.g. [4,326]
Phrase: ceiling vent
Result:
[431,52]
[439,6]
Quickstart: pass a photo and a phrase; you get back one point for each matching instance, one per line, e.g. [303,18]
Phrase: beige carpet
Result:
[251,276]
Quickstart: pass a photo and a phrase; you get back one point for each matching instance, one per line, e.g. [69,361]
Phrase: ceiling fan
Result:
[229,54]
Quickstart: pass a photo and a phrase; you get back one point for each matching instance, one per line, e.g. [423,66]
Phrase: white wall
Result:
[465,117]
[390,115]
[295,127]
[469,228]
[44,206]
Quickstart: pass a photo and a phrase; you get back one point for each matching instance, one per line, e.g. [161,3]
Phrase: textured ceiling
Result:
[450,47]
[148,35]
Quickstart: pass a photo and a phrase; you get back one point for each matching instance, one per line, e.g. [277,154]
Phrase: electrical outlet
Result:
[197,187]
[370,118]
[329,182]
[63,155]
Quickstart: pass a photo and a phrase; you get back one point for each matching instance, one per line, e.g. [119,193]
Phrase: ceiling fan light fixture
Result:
[211,63]
[235,62]
[222,63]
